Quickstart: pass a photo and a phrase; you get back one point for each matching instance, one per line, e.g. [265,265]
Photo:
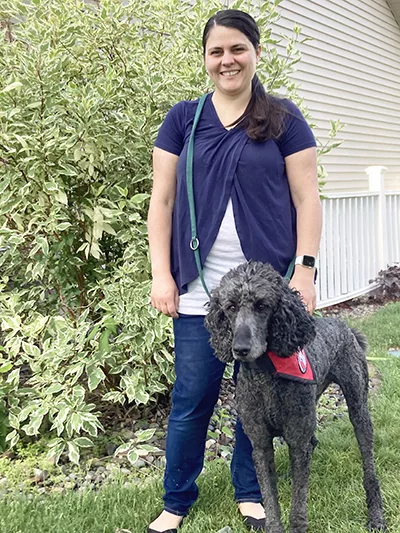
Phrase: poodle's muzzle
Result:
[248,338]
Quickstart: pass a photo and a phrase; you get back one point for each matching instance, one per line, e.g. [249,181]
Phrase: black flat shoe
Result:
[166,531]
[254,524]
[149,530]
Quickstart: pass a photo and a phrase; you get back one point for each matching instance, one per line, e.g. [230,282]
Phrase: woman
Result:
[256,197]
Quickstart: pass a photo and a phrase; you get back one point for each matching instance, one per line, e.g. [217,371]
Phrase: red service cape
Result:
[297,367]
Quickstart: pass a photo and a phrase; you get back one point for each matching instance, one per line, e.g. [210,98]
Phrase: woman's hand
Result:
[164,295]
[303,281]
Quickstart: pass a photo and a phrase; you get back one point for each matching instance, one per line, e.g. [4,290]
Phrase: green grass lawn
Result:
[336,497]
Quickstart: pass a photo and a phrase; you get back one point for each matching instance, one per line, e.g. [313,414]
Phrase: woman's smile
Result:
[230,73]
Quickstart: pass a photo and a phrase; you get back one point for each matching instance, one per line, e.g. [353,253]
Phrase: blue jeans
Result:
[198,379]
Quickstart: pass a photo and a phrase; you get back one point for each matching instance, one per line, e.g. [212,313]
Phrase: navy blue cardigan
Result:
[227,163]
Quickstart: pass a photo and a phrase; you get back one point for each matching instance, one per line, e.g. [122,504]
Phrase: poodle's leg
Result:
[354,384]
[300,462]
[251,412]
[263,456]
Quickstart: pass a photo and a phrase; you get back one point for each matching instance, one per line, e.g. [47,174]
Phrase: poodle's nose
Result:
[242,341]
[241,352]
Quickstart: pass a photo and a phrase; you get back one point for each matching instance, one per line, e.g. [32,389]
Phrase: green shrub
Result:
[83,90]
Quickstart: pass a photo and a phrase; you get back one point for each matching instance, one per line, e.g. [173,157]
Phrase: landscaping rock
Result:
[110,448]
[40,475]
[127,434]
[160,462]
[210,443]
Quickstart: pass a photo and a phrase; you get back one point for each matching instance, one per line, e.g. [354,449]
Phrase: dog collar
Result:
[296,367]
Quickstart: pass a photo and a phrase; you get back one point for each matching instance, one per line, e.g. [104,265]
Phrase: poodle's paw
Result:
[299,529]
[378,524]
[299,523]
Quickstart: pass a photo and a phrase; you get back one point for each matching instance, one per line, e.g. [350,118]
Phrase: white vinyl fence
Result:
[360,237]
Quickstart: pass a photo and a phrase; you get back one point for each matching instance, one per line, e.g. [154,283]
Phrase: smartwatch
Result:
[307,261]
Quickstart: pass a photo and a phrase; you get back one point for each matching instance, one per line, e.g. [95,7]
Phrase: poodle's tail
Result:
[361,339]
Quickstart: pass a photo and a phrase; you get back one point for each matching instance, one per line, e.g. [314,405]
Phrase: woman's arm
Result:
[164,293]
[301,169]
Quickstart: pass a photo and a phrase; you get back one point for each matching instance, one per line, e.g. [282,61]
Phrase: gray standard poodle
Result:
[255,318]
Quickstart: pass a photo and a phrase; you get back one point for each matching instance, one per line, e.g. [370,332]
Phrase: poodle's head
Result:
[254,310]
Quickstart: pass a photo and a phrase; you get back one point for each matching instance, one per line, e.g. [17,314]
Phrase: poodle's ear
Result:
[290,327]
[220,330]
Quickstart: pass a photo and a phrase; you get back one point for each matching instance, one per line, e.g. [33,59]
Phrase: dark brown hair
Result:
[264,116]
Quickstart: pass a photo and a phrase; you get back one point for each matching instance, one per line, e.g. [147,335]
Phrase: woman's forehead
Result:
[222,36]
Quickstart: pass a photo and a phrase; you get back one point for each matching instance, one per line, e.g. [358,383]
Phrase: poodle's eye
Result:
[260,306]
[232,308]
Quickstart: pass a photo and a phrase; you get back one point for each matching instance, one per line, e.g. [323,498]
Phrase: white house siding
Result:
[351,70]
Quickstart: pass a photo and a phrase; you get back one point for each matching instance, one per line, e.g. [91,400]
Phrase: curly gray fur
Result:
[253,310]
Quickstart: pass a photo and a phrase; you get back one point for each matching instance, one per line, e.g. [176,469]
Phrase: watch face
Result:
[309,261]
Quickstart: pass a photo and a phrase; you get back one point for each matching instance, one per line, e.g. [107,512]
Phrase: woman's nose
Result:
[227,58]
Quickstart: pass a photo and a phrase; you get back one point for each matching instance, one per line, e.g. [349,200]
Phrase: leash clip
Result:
[194,243]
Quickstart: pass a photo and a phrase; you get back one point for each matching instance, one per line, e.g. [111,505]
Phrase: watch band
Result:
[307,261]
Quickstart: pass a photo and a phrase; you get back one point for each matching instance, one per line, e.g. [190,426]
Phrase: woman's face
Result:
[230,60]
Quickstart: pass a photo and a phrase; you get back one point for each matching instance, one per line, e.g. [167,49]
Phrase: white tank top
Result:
[226,253]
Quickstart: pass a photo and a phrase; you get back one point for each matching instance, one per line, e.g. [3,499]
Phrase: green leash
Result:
[194,241]
[289,272]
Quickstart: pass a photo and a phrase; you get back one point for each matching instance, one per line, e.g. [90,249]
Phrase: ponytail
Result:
[264,115]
